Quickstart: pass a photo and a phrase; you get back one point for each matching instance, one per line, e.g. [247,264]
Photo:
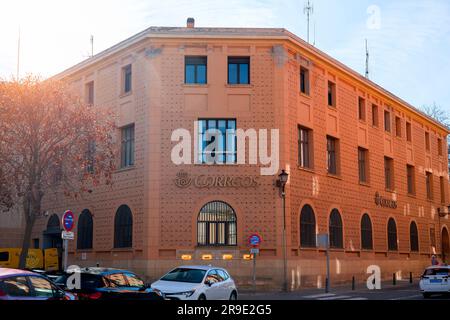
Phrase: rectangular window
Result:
[427,141]
[361,109]
[387,121]
[442,186]
[217,141]
[90,92]
[127,147]
[439,143]
[238,70]
[331,94]
[433,237]
[127,78]
[389,173]
[332,155]
[304,80]
[90,156]
[363,165]
[36,243]
[398,127]
[429,185]
[408,132]
[375,115]
[305,148]
[411,179]
[195,70]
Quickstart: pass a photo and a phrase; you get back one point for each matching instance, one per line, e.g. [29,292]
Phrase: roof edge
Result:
[284,35]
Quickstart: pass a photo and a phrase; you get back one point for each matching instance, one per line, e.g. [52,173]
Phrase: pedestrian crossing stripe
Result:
[335,298]
[323,295]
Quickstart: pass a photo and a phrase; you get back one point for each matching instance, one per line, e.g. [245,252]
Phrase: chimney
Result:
[190,23]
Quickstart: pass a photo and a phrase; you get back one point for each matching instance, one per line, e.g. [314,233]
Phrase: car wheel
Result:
[202,297]
[233,296]
[427,295]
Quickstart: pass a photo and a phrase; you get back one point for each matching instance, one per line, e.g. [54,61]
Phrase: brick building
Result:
[364,165]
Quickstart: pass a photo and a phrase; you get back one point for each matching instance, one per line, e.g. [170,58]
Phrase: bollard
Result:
[353,284]
[394,279]
[410,277]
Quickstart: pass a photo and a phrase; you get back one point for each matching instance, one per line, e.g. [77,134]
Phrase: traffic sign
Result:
[68,221]
[254,251]
[67,235]
[255,240]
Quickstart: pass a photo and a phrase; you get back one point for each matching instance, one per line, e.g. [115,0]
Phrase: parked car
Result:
[26,285]
[197,283]
[435,280]
[109,284]
[51,275]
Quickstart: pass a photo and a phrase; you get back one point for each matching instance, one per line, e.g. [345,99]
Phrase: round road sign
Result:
[255,240]
[68,221]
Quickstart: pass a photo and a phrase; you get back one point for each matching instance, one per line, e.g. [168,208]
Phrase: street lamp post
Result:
[281,183]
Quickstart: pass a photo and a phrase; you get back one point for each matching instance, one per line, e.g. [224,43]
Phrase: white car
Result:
[197,283]
[435,280]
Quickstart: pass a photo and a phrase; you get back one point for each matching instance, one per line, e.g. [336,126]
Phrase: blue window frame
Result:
[196,70]
[225,130]
[238,70]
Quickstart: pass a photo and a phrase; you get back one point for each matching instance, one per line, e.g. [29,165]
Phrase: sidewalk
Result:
[360,288]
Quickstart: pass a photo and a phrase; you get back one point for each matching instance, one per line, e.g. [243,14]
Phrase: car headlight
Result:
[159,293]
[187,294]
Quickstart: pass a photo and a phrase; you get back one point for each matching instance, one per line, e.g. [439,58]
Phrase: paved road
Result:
[402,291]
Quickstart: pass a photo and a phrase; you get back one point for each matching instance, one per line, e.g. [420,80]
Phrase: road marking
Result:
[323,295]
[357,299]
[335,298]
[408,297]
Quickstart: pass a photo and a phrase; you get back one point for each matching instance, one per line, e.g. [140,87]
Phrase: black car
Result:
[107,284]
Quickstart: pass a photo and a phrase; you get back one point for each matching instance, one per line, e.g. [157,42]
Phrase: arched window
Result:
[216,225]
[123,228]
[336,236]
[53,223]
[445,243]
[392,235]
[366,233]
[307,227]
[414,237]
[85,230]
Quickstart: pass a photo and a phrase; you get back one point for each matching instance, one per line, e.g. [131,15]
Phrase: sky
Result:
[409,40]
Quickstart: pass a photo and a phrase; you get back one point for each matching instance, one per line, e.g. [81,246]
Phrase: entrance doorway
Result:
[445,245]
[52,236]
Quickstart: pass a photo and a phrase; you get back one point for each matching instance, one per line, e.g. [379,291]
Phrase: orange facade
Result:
[166,200]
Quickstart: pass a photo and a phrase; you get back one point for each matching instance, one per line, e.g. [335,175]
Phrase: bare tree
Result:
[46,139]
[438,113]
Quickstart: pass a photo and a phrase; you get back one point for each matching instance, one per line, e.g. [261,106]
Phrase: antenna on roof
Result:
[314,41]
[92,46]
[367,60]
[308,10]
[18,57]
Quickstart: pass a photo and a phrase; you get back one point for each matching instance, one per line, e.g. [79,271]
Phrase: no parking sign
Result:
[68,221]
[255,240]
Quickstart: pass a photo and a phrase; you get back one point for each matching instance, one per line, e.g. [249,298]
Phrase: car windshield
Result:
[185,275]
[437,272]
[88,281]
